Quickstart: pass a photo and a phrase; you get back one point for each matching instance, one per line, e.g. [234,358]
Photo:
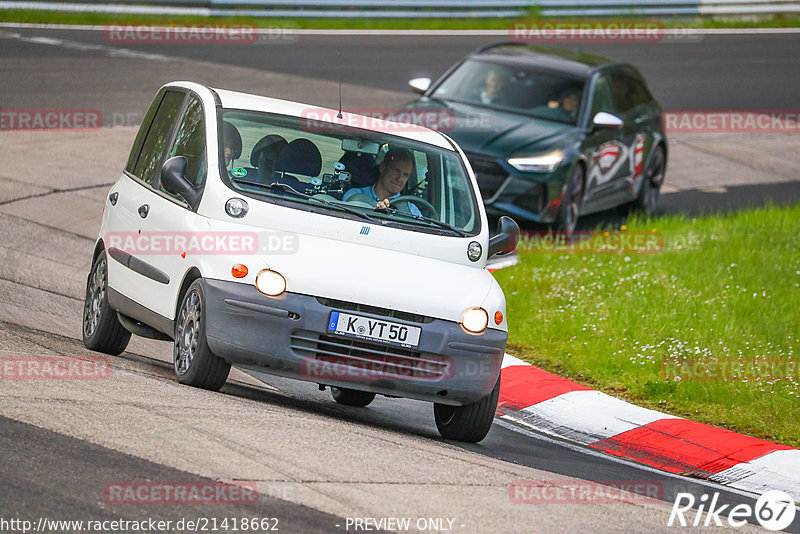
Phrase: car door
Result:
[131,271]
[608,150]
[645,115]
[171,221]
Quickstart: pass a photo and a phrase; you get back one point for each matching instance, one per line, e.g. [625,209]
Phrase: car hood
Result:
[493,133]
[390,279]
[337,261]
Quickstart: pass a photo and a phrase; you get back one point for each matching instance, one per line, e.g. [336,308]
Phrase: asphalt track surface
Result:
[708,72]
[46,473]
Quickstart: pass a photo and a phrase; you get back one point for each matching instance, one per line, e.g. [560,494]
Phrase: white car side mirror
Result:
[420,85]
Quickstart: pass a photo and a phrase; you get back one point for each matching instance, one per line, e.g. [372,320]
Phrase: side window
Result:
[421,166]
[149,161]
[190,142]
[143,127]
[629,91]
[602,99]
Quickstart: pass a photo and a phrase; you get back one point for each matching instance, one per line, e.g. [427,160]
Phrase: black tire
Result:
[647,200]
[352,397]
[470,422]
[568,213]
[195,364]
[101,329]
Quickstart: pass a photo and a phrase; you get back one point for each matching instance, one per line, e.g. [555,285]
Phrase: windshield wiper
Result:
[289,189]
[440,224]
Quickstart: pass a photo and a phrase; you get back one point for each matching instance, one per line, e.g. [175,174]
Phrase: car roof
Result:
[236,100]
[557,59]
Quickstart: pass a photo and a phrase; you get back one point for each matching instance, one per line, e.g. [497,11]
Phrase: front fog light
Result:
[270,283]
[475,320]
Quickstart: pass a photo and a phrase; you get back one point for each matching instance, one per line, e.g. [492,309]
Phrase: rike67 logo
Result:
[774,510]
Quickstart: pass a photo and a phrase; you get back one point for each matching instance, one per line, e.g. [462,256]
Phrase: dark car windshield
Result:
[346,172]
[541,93]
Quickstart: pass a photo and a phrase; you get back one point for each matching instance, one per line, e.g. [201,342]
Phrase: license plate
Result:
[349,325]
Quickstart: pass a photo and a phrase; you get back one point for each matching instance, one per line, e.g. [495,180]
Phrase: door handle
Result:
[113,198]
[144,209]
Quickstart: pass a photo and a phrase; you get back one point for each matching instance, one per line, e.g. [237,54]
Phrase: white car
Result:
[251,235]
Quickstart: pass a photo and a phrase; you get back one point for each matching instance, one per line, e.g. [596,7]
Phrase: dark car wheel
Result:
[195,364]
[470,422]
[102,330]
[352,397]
[569,211]
[652,180]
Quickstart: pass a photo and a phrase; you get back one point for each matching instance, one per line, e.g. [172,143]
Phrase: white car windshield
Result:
[347,172]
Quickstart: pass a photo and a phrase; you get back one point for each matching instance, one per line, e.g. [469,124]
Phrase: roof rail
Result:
[497,45]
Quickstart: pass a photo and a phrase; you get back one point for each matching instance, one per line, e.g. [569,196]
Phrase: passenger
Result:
[569,102]
[494,88]
[395,169]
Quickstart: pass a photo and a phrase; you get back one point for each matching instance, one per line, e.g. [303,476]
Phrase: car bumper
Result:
[532,197]
[288,336]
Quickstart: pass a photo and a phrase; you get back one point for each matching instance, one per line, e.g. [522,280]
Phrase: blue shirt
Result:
[370,192]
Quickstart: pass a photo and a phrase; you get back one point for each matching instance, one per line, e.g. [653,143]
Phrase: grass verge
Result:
[85,18]
[724,290]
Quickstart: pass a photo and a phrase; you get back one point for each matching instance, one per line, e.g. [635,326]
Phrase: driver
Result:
[395,169]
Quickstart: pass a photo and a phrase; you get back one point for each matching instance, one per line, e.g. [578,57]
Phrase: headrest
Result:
[269,147]
[231,138]
[362,168]
[301,156]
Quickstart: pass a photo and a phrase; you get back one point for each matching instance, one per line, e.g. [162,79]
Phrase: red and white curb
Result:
[545,402]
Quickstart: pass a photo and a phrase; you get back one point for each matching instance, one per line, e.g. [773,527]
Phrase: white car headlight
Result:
[271,283]
[475,320]
[546,162]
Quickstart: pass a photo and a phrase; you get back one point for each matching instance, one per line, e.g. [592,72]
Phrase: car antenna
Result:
[339,115]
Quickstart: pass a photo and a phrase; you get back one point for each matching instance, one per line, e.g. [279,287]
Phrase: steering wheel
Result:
[423,205]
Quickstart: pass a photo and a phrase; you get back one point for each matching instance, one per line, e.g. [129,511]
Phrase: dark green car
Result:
[552,134]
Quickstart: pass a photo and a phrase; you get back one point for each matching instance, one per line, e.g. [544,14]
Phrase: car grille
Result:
[533,200]
[374,310]
[371,360]
[490,175]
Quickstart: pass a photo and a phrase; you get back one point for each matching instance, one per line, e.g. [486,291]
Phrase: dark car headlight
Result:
[545,162]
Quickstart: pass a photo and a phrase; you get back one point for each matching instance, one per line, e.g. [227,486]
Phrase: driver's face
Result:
[494,83]
[570,102]
[394,175]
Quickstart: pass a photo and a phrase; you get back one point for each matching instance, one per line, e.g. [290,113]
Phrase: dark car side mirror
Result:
[606,120]
[506,238]
[173,179]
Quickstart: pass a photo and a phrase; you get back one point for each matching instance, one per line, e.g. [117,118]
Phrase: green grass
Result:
[724,287]
[57,17]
